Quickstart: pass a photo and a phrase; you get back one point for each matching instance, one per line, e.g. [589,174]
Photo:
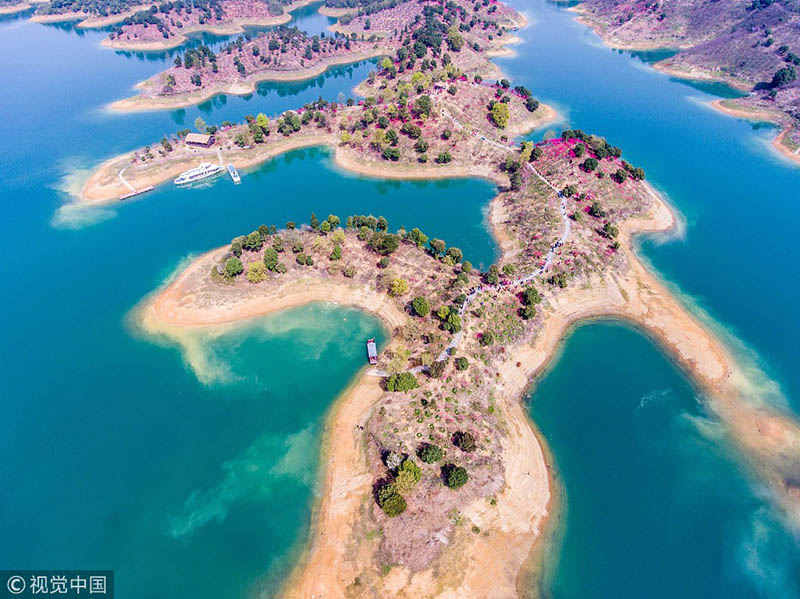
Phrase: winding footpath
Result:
[456,340]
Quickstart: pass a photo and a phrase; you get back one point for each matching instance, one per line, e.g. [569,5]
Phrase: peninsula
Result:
[395,28]
[754,47]
[432,467]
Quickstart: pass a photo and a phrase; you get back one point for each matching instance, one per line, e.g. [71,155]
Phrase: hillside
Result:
[754,47]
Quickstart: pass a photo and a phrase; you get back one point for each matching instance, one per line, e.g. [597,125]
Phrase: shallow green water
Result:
[114,454]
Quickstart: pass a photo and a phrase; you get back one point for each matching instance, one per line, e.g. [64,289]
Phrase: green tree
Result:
[400,382]
[390,501]
[270,258]
[437,246]
[314,222]
[783,76]
[408,476]
[493,275]
[500,114]
[200,124]
[398,287]
[444,157]
[417,237]
[423,105]
[530,296]
[253,242]
[610,231]
[336,254]
[421,306]
[233,267]
[590,164]
[430,453]
[455,476]
[462,363]
[455,254]
[487,338]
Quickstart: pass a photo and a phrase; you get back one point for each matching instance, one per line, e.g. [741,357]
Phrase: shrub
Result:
[301,258]
[281,267]
[233,267]
[430,453]
[462,363]
[256,272]
[444,157]
[610,231]
[455,476]
[421,306]
[398,287]
[400,382]
[596,209]
[393,460]
[336,254]
[528,312]
[464,441]
[436,369]
[349,272]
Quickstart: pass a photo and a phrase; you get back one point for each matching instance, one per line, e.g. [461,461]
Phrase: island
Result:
[436,483]
[397,28]
[752,46]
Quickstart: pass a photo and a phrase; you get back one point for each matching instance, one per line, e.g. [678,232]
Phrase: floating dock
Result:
[136,192]
[234,174]
[372,351]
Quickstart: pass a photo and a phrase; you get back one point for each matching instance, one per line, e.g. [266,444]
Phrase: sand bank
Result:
[240,87]
[15,8]
[754,114]
[104,184]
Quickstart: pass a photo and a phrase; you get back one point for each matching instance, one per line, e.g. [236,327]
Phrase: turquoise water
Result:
[654,505]
[115,455]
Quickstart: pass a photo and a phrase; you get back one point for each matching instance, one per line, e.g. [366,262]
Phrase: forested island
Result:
[753,46]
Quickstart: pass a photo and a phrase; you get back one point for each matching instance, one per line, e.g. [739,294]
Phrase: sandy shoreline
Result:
[761,115]
[104,184]
[15,8]
[242,87]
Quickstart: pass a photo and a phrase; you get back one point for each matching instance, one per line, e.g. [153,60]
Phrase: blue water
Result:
[114,453]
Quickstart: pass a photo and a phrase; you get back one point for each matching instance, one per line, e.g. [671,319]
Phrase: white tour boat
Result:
[198,173]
